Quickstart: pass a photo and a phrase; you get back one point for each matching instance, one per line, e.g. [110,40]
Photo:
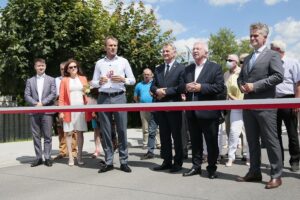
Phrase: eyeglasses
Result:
[254,35]
[229,60]
[72,67]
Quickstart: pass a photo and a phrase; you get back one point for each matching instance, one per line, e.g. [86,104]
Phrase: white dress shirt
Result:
[40,85]
[57,84]
[170,64]
[106,68]
[198,69]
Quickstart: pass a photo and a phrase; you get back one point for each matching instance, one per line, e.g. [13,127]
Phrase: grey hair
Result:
[203,44]
[263,28]
[279,44]
[170,45]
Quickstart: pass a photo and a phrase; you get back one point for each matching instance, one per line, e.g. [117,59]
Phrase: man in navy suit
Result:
[40,90]
[165,88]
[203,81]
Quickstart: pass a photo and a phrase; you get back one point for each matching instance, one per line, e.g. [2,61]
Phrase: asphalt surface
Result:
[19,181]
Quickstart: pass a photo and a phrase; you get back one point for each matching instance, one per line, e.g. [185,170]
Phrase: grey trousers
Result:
[42,124]
[263,123]
[105,119]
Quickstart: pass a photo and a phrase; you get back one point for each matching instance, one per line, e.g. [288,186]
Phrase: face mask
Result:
[229,65]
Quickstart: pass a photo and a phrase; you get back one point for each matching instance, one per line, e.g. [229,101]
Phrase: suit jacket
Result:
[171,82]
[64,96]
[212,84]
[265,74]
[49,91]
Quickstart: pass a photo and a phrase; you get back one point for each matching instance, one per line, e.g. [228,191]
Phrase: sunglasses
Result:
[72,67]
[229,60]
[241,62]
[255,36]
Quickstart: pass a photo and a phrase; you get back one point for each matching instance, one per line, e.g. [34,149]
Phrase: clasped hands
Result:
[193,87]
[114,78]
[160,93]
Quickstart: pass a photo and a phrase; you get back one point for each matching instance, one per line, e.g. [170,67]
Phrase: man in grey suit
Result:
[40,90]
[261,72]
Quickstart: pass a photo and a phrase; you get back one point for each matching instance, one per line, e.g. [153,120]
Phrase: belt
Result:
[111,94]
[287,96]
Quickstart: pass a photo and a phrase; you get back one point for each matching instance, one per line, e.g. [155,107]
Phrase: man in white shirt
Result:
[111,74]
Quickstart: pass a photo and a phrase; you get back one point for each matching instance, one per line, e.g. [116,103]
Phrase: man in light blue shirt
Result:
[149,126]
[289,88]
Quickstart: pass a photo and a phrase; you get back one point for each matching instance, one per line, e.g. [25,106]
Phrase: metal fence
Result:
[13,127]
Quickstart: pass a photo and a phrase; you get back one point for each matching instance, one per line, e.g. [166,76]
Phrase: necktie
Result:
[252,60]
[167,70]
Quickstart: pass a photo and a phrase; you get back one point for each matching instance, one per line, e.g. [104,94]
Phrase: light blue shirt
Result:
[142,90]
[291,77]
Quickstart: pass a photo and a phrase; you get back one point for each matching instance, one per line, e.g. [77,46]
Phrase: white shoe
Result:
[229,163]
[71,162]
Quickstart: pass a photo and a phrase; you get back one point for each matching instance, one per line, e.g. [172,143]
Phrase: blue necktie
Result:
[252,60]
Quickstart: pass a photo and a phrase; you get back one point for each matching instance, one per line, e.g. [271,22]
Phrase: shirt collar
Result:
[41,76]
[202,64]
[260,49]
[171,63]
[115,58]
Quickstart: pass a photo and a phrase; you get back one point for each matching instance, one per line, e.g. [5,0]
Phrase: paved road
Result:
[19,181]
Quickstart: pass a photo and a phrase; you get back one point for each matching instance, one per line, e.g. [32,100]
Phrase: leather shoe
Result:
[250,178]
[37,162]
[163,166]
[212,175]
[273,183]
[175,168]
[125,168]
[294,167]
[48,163]
[106,168]
[59,156]
[192,172]
[147,156]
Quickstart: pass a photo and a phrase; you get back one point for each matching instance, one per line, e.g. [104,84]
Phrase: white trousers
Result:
[236,128]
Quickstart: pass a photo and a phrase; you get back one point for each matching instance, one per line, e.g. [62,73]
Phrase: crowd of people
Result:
[266,73]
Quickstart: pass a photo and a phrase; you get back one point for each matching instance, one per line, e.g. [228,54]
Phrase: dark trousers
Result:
[290,121]
[170,126]
[208,127]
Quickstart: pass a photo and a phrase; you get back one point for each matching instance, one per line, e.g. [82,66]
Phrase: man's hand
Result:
[160,93]
[248,87]
[39,104]
[117,79]
[61,116]
[103,80]
[193,87]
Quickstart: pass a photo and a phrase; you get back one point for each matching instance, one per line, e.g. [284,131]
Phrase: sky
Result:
[193,20]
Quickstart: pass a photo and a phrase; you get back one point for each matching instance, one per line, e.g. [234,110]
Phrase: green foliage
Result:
[244,47]
[222,44]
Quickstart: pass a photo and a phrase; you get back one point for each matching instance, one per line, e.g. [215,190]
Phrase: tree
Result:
[244,47]
[221,45]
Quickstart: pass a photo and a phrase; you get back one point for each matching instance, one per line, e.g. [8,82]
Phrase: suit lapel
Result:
[45,87]
[34,87]
[260,57]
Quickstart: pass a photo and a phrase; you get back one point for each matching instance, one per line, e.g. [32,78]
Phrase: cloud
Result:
[157,1]
[226,2]
[176,27]
[288,31]
[273,2]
